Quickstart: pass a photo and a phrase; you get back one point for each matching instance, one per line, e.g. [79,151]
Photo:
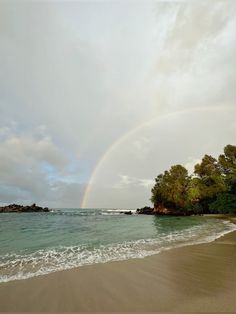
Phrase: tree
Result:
[212,187]
[208,167]
[227,163]
[210,180]
[225,203]
[171,187]
[194,193]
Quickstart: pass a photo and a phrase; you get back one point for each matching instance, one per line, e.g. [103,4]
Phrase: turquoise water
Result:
[33,244]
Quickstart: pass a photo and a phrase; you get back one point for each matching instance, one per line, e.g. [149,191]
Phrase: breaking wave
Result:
[21,266]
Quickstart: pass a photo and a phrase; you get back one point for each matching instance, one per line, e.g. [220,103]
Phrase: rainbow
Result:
[124,137]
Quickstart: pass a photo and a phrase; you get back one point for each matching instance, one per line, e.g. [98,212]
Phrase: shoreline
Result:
[229,218]
[192,277]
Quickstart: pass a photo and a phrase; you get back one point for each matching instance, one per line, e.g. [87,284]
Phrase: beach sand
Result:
[193,278]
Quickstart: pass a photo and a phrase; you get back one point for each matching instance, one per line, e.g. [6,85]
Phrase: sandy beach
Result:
[193,278]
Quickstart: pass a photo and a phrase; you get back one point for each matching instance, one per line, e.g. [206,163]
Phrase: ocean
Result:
[33,244]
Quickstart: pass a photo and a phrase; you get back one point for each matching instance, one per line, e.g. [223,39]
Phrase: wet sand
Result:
[196,278]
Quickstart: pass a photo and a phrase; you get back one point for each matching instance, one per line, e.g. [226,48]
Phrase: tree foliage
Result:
[171,187]
[212,187]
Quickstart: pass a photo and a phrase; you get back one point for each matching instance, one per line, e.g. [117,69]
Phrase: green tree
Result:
[227,163]
[210,180]
[208,167]
[171,188]
[225,203]
[212,187]
[194,190]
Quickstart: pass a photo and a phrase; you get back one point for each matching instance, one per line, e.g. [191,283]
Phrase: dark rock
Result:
[15,208]
[128,213]
[161,211]
[145,211]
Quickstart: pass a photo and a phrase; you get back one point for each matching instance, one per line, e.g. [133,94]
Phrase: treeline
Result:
[210,189]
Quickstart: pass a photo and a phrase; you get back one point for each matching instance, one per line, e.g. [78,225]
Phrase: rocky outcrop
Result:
[145,211]
[161,211]
[14,208]
[126,212]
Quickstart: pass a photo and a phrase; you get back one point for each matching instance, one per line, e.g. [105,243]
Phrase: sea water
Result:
[33,244]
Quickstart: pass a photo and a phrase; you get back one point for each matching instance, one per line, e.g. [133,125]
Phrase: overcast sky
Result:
[98,98]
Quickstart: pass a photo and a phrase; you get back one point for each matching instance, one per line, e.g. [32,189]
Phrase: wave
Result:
[89,212]
[41,262]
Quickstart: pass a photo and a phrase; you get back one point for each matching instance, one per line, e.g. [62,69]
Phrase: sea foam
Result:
[22,266]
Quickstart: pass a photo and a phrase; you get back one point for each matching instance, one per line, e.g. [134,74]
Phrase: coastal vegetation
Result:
[210,189]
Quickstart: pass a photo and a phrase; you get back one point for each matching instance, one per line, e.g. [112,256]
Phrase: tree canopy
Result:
[210,189]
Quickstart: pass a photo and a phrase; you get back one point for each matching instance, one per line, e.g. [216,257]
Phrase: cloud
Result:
[172,140]
[28,150]
[142,147]
[191,163]
[76,77]
[127,182]
[185,38]
[34,168]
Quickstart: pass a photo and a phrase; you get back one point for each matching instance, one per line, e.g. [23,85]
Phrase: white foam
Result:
[16,266]
[118,211]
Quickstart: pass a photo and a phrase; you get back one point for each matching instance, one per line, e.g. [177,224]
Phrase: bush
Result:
[225,203]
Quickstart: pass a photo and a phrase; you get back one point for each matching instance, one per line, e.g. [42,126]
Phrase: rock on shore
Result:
[15,208]
[160,210]
[145,211]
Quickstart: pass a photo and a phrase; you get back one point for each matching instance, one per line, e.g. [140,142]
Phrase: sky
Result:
[99,97]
